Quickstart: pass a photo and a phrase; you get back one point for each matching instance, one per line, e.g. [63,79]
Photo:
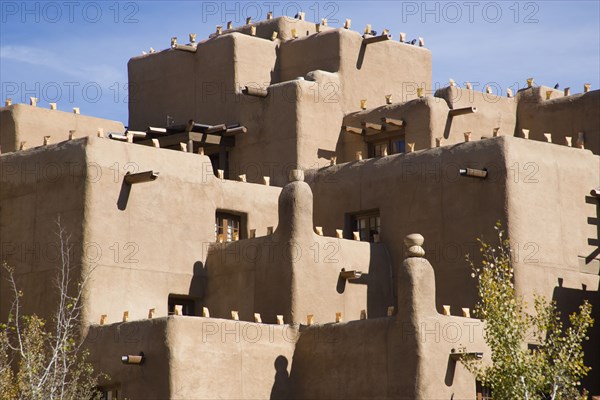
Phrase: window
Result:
[109,393]
[227,227]
[390,146]
[366,224]
[188,304]
[483,393]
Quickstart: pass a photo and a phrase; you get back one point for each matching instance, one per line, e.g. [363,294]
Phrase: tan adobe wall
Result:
[191,358]
[24,123]
[422,192]
[562,116]
[492,112]
[37,187]
[295,272]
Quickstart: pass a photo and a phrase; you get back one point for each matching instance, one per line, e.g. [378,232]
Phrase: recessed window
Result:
[483,393]
[109,393]
[227,227]
[367,225]
[394,145]
[188,304]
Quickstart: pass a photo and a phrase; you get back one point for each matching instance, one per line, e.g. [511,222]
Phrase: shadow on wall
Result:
[594,221]
[198,283]
[281,384]
[123,196]
[568,301]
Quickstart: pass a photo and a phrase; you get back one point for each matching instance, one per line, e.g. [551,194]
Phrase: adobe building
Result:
[288,212]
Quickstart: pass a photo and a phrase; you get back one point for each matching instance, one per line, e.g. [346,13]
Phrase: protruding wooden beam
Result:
[267,180]
[72,134]
[151,313]
[76,110]
[253,31]
[376,39]
[410,147]
[358,156]
[221,174]
[420,92]
[446,310]
[351,129]
[333,160]
[252,234]
[467,136]
[279,319]
[294,33]
[270,15]
[549,94]
[421,42]
[53,106]
[235,131]
[466,312]
[101,133]
[319,230]
[257,318]
[310,319]
[370,125]
[587,87]
[347,24]
[8,102]
[33,101]
[509,93]
[23,145]
[548,137]
[46,140]
[495,132]
[363,314]
[242,177]
[178,309]
[393,121]
[183,146]
[269,230]
[461,111]
[356,235]
[235,315]
[205,312]
[388,99]
[438,141]
[363,104]
[402,37]
[173,42]
[469,86]
[567,91]
[125,316]
[103,319]
[390,311]
[274,35]
[156,143]
[525,133]
[568,141]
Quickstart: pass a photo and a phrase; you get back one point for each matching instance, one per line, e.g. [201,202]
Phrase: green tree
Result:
[554,366]
[41,360]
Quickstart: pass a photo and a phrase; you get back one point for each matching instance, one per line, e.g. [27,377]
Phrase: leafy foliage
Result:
[40,360]
[553,368]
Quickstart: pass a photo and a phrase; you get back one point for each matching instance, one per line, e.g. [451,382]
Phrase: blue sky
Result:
[75,53]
